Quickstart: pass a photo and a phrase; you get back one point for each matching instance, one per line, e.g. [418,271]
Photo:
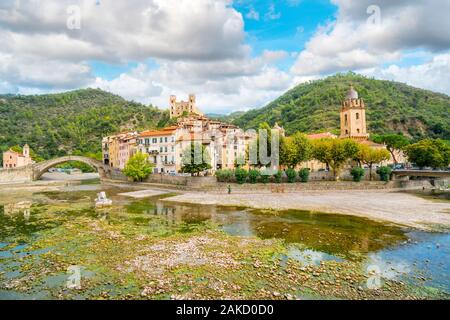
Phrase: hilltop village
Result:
[225,143]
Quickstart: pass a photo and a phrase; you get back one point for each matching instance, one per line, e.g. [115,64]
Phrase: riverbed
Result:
[55,245]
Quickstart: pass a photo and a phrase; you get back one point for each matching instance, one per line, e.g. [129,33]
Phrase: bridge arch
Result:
[42,167]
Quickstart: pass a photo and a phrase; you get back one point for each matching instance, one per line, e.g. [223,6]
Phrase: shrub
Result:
[279,176]
[304,175]
[291,175]
[224,175]
[253,176]
[265,176]
[241,175]
[385,173]
[357,174]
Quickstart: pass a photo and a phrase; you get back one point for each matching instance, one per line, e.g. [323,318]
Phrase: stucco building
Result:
[223,142]
[13,159]
[118,149]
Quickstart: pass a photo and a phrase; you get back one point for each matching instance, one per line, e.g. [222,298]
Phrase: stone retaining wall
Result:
[297,187]
[194,182]
[19,175]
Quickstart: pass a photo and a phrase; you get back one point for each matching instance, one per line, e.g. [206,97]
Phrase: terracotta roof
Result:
[154,133]
[321,135]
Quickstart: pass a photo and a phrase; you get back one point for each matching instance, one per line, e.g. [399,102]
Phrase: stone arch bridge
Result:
[35,171]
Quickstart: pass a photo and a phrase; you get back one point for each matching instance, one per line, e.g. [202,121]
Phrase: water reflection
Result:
[20,220]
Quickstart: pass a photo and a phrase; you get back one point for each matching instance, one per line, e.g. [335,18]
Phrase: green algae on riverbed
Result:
[144,250]
[330,233]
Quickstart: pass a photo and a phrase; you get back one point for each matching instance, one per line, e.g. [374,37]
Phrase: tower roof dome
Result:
[352,93]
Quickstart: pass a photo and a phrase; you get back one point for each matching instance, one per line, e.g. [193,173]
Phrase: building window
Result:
[160,140]
[346,131]
[359,131]
[346,119]
[357,116]
[165,139]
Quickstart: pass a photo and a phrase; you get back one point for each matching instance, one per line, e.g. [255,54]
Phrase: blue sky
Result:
[291,24]
[233,54]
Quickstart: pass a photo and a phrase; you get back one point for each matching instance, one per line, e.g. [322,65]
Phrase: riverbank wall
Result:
[210,185]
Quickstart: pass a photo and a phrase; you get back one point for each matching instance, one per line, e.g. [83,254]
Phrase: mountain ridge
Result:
[74,122]
[392,107]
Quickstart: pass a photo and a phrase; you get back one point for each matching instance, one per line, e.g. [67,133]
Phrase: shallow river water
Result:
[416,257]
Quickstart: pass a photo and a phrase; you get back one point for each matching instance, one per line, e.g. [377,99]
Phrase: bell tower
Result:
[26,151]
[353,117]
[173,106]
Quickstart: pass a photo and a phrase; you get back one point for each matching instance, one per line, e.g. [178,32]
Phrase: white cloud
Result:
[350,43]
[184,46]
[272,14]
[192,47]
[28,72]
[252,14]
[124,30]
[272,56]
[220,86]
[433,74]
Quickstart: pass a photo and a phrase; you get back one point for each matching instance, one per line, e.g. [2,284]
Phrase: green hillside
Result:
[391,108]
[71,122]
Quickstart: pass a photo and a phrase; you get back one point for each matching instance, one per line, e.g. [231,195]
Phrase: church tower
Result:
[353,117]
[26,151]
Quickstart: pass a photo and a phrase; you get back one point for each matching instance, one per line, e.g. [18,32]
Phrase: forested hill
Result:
[391,108]
[72,122]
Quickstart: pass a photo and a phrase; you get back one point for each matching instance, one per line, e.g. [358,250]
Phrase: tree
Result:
[295,149]
[335,152]
[370,156]
[138,167]
[393,142]
[195,159]
[429,153]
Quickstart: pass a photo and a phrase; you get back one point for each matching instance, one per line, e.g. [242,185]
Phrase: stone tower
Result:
[178,108]
[353,117]
[26,151]
[192,101]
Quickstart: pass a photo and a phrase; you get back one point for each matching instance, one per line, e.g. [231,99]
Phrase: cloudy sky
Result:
[235,55]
